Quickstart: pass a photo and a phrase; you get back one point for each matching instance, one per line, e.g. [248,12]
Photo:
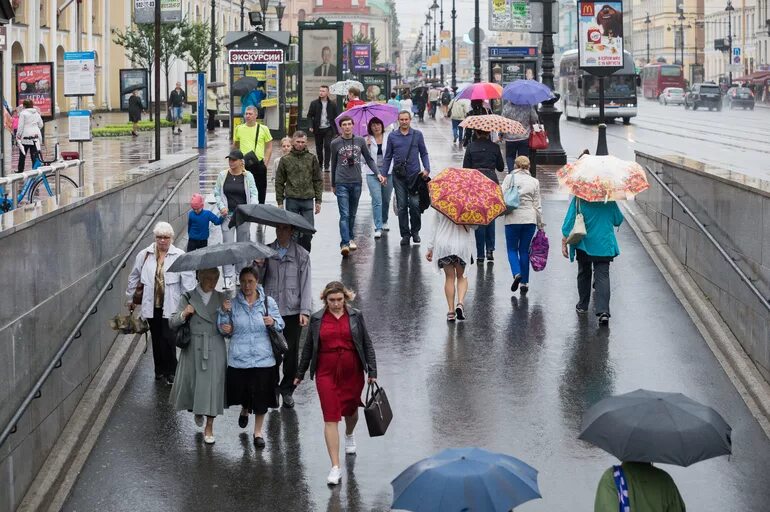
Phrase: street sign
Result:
[79,125]
[255,56]
[512,51]
[170,11]
[737,59]
[736,52]
[472,35]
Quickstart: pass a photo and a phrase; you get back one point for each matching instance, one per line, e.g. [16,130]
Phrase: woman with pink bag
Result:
[521,222]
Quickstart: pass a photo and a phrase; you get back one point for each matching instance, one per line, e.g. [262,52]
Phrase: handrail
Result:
[10,428]
[746,279]
[52,170]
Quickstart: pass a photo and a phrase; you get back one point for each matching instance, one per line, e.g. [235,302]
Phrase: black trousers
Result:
[260,178]
[163,349]
[211,123]
[323,140]
[291,332]
[596,269]
[31,150]
[196,244]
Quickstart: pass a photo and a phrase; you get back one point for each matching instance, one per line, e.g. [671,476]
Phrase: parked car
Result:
[739,97]
[671,96]
[704,95]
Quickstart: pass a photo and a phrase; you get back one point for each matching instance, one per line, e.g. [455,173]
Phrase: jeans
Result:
[517,240]
[408,208]
[513,149]
[380,199]
[457,130]
[323,139]
[601,283]
[306,208]
[243,233]
[348,195]
[485,239]
[176,114]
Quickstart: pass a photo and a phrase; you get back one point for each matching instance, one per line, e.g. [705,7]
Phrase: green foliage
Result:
[362,39]
[119,130]
[196,45]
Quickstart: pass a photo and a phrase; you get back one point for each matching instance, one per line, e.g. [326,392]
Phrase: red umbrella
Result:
[481,91]
[466,196]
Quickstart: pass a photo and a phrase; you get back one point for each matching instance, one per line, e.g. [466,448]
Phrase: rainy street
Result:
[515,377]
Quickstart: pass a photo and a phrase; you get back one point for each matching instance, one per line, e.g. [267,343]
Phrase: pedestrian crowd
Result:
[233,359]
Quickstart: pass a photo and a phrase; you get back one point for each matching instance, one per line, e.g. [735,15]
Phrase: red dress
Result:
[339,373]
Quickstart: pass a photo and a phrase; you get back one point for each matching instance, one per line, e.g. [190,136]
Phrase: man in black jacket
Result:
[322,113]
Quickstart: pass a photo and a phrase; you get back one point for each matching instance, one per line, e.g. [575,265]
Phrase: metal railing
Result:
[56,361]
[16,180]
[730,260]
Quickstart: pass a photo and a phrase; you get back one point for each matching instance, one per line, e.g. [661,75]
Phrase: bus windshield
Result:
[675,71]
[622,86]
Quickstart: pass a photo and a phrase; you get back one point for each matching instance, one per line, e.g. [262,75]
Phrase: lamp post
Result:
[454,50]
[435,19]
[263,5]
[647,22]
[477,43]
[440,42]
[427,37]
[242,15]
[680,30]
[213,41]
[279,10]
[729,8]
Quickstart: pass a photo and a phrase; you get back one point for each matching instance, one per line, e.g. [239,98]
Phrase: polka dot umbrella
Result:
[494,123]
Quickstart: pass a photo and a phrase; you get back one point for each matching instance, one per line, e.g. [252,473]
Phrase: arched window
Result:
[301,15]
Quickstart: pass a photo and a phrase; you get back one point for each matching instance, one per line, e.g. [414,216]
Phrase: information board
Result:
[79,125]
[170,11]
[79,73]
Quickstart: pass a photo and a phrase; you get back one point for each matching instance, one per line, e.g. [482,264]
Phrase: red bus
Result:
[656,77]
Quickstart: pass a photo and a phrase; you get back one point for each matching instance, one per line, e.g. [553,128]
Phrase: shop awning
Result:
[757,77]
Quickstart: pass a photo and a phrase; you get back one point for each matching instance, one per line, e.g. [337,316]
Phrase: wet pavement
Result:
[515,377]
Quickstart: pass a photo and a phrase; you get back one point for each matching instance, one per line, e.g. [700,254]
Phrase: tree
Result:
[363,39]
[196,46]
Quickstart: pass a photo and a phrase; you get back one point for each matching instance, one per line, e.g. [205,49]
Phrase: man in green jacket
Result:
[299,181]
[649,490]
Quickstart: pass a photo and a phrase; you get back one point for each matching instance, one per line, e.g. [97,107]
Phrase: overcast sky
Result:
[411,15]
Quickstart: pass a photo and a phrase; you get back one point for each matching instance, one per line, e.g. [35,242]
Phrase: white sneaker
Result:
[385,227]
[350,444]
[352,245]
[199,420]
[378,234]
[335,476]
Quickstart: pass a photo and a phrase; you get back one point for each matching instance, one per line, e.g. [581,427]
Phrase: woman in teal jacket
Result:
[594,252]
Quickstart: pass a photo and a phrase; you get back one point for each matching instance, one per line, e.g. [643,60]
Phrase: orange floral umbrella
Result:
[603,178]
[494,123]
[466,196]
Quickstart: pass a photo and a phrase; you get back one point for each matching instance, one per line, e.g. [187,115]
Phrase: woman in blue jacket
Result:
[594,252]
[251,380]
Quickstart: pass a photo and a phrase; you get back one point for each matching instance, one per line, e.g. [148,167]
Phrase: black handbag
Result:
[277,339]
[399,169]
[377,410]
[183,335]
[250,159]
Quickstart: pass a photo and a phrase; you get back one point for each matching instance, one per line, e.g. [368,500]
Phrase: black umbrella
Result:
[214,85]
[131,88]
[271,216]
[221,254]
[245,85]
[651,426]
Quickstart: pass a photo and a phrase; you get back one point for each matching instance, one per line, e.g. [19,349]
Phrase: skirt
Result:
[450,261]
[255,389]
[339,380]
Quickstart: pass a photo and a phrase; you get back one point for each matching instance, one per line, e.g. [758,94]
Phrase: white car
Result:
[671,96]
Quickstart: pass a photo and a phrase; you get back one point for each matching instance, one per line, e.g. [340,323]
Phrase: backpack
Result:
[446,97]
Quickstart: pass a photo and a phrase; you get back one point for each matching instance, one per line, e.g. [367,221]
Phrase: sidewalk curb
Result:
[58,474]
[738,366]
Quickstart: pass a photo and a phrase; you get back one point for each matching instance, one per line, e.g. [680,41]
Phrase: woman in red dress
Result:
[338,352]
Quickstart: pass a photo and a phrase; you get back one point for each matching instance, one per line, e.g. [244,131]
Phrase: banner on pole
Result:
[509,15]
[600,36]
[79,73]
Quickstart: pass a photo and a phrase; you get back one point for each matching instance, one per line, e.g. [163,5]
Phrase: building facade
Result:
[748,25]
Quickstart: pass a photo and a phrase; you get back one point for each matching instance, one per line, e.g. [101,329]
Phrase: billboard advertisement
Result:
[362,57]
[131,79]
[320,60]
[35,81]
[375,87]
[600,36]
[509,15]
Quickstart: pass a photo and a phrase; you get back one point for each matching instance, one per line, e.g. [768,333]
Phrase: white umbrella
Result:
[342,88]
[603,178]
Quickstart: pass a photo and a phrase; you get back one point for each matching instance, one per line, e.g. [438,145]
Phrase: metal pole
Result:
[440,42]
[476,43]
[730,44]
[156,58]
[242,15]
[2,134]
[554,154]
[647,22]
[213,40]
[601,146]
[454,49]
[78,100]
[434,33]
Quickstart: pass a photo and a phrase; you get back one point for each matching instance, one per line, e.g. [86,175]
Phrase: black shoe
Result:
[524,289]
[580,311]
[604,319]
[480,260]
[416,239]
[243,421]
[404,240]
[158,376]
[490,256]
[288,400]
[169,379]
[516,281]
[259,442]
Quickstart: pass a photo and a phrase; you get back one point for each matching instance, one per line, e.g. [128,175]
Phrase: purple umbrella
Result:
[526,92]
[362,114]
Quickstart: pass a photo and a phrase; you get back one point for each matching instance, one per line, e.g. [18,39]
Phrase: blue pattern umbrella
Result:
[465,479]
[526,92]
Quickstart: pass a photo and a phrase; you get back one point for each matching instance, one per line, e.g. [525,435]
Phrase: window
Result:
[319,3]
[44,13]
[301,15]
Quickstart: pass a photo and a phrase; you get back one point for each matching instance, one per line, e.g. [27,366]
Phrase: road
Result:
[737,140]
[516,377]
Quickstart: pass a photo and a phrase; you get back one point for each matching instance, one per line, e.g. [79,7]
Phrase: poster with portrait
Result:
[35,81]
[320,61]
[600,36]
[191,87]
[375,87]
[134,79]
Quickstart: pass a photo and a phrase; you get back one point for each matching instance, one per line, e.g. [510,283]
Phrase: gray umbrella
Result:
[270,215]
[221,254]
[652,426]
[245,85]
[133,87]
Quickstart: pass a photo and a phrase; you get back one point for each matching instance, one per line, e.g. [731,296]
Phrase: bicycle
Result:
[37,188]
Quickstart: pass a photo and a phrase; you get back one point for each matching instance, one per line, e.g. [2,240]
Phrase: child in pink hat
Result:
[198,223]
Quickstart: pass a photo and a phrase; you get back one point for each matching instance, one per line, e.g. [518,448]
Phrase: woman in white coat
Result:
[377,142]
[521,223]
[161,291]
[29,135]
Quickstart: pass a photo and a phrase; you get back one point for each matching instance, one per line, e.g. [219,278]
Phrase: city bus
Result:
[656,77]
[580,90]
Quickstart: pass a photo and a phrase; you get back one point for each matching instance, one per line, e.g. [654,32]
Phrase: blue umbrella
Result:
[461,479]
[526,92]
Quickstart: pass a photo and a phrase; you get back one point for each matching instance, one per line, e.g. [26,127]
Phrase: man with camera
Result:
[406,148]
[347,152]
[253,140]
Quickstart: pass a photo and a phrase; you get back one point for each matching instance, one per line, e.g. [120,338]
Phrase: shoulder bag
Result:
[277,339]
[250,159]
[538,138]
[399,169]
[183,334]
[579,229]
[377,410]
[624,504]
[139,291]
[511,196]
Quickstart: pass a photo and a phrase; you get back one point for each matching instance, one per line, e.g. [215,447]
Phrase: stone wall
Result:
[735,208]
[52,267]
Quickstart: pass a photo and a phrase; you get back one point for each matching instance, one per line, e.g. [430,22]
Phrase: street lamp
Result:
[441,43]
[427,36]
[279,10]
[680,29]
[213,41]
[454,50]
[263,5]
[242,16]
[433,8]
[647,22]
[476,43]
[729,8]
